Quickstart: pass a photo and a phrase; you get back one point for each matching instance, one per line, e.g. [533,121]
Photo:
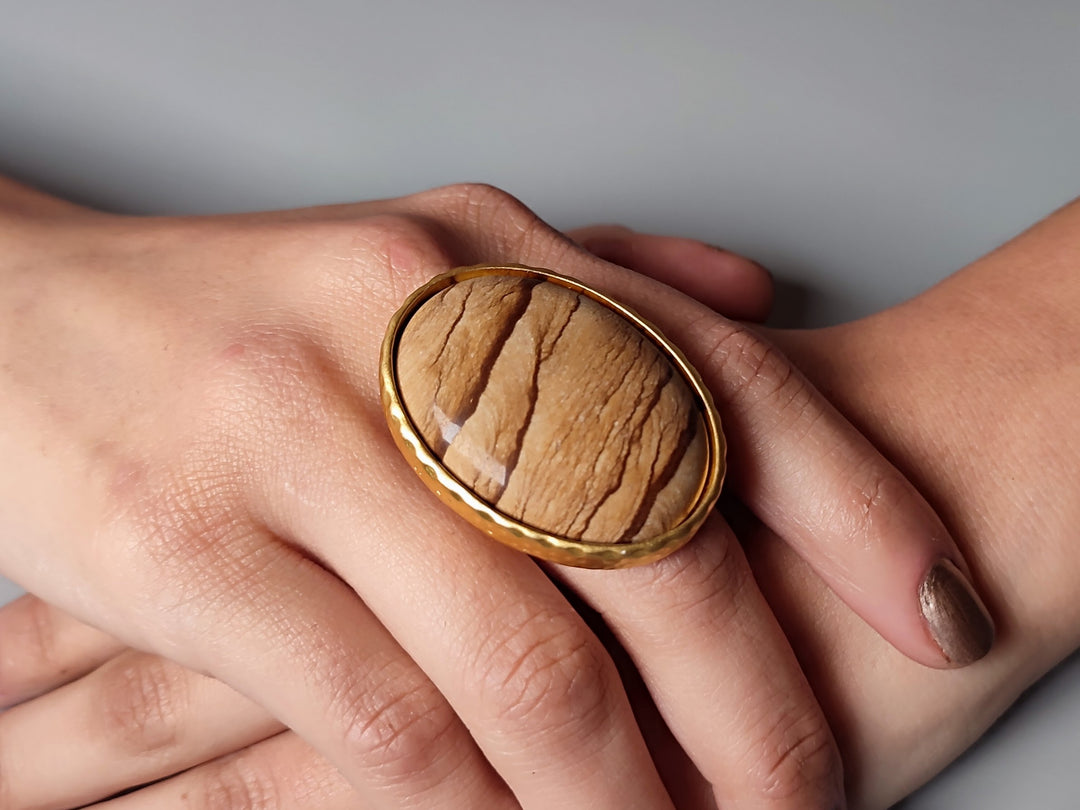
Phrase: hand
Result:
[973,389]
[241,511]
[116,717]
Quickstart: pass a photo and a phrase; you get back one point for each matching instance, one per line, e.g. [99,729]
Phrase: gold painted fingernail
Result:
[957,618]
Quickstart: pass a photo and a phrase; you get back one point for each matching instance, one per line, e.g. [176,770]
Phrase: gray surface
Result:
[862,150]
[8,591]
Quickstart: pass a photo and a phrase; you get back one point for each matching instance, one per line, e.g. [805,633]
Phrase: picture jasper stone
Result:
[553,408]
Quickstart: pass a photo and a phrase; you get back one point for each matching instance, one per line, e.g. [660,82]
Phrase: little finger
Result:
[283,773]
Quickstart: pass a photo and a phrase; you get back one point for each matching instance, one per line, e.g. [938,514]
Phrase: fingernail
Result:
[957,618]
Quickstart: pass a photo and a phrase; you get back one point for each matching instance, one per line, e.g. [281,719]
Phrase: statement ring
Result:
[550,417]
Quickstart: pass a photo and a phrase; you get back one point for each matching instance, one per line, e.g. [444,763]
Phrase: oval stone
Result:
[553,408]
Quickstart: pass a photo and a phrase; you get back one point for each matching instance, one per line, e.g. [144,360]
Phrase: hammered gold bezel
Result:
[501,526]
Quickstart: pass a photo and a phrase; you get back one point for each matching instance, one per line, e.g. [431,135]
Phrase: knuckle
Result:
[239,783]
[390,255]
[273,381]
[396,729]
[195,549]
[33,630]
[798,758]
[550,675]
[188,507]
[502,226]
[478,203]
[878,494]
[285,380]
[703,579]
[753,367]
[142,702]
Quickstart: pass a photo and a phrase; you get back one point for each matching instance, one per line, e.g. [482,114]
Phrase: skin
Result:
[747,657]
[973,390]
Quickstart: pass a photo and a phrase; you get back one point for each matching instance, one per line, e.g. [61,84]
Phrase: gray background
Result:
[862,150]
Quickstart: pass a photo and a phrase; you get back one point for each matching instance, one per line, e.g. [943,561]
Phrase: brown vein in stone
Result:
[494,348]
[437,359]
[610,354]
[657,483]
[631,444]
[543,354]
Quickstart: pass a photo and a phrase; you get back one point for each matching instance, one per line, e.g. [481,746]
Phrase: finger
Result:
[18,198]
[283,631]
[283,773]
[136,719]
[734,286]
[41,648]
[688,788]
[536,689]
[794,459]
[721,673]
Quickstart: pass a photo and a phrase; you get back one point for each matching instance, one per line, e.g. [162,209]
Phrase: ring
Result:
[551,417]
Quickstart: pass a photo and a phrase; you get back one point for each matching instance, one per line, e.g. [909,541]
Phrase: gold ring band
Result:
[551,417]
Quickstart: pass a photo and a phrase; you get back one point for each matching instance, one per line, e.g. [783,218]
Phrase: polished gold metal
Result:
[495,523]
